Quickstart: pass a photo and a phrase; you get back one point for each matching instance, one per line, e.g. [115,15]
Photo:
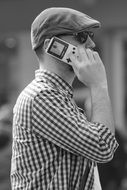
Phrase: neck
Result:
[63,70]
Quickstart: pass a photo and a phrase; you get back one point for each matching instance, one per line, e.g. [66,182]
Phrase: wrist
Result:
[99,86]
[99,92]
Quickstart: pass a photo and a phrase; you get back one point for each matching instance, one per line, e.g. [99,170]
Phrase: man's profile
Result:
[55,145]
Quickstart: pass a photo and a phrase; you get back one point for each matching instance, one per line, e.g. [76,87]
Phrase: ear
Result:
[46,42]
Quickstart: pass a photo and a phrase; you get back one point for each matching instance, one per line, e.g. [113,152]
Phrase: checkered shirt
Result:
[53,141]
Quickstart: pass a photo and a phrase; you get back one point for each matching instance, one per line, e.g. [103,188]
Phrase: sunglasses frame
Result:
[83,36]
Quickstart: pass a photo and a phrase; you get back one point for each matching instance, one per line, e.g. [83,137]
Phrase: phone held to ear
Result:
[60,49]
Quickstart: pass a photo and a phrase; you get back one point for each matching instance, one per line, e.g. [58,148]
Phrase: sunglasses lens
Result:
[82,37]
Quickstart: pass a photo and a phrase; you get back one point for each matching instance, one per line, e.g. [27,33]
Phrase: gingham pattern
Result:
[53,140]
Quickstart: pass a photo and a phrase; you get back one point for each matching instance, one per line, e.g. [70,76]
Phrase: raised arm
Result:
[91,71]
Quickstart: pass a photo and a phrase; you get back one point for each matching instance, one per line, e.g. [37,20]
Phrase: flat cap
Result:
[59,20]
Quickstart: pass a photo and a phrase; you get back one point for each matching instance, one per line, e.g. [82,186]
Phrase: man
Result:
[55,145]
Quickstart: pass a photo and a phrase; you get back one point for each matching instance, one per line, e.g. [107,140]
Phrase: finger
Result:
[82,53]
[90,54]
[97,57]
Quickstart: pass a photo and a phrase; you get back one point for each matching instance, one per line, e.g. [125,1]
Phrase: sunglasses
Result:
[83,36]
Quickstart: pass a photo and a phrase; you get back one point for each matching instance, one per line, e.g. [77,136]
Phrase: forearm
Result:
[90,71]
[101,107]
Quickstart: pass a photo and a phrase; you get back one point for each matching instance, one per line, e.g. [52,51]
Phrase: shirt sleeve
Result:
[58,120]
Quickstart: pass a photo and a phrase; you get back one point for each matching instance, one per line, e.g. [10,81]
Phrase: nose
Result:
[89,43]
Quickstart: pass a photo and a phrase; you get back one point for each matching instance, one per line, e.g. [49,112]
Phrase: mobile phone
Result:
[60,49]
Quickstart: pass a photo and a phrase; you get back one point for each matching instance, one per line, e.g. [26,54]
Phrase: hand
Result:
[89,68]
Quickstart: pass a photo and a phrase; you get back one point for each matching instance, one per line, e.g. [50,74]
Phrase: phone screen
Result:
[58,48]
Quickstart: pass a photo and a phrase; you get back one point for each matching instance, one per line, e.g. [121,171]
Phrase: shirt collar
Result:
[57,81]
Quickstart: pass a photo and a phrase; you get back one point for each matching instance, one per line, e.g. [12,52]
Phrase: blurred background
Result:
[18,63]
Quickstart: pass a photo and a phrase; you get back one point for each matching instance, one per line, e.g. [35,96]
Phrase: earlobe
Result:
[46,42]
